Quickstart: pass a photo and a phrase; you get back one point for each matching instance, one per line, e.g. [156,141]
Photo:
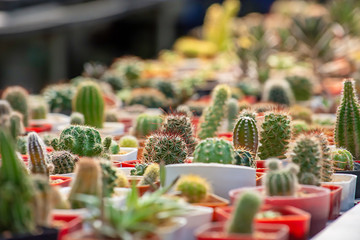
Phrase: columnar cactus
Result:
[128,141]
[77,118]
[194,188]
[242,219]
[347,130]
[214,150]
[151,174]
[280,181]
[275,136]
[342,159]
[18,99]
[63,161]
[38,156]
[88,181]
[327,171]
[244,157]
[212,116]
[146,124]
[245,134]
[301,87]
[165,146]
[89,101]
[232,112]
[278,92]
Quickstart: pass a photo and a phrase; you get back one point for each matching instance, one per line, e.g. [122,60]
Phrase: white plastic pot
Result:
[55,119]
[129,156]
[173,231]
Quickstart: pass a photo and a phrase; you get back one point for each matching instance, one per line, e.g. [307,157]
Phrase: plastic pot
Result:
[260,163]
[71,223]
[335,200]
[131,163]
[259,177]
[38,128]
[357,174]
[65,180]
[131,154]
[213,201]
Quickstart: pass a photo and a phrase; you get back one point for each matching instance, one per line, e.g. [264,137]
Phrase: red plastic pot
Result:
[250,99]
[215,231]
[296,219]
[259,177]
[66,181]
[260,163]
[72,223]
[261,170]
[38,128]
[335,200]
[131,163]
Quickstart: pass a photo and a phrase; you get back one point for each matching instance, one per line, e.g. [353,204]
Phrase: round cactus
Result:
[117,81]
[39,110]
[194,188]
[18,98]
[245,134]
[121,180]
[77,118]
[59,97]
[301,87]
[5,108]
[214,150]
[244,158]
[128,141]
[342,159]
[298,112]
[111,116]
[278,92]
[148,97]
[146,124]
[114,147]
[63,161]
[151,174]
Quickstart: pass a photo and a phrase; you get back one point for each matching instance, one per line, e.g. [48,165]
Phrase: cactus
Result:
[181,124]
[148,97]
[194,188]
[38,156]
[5,111]
[59,97]
[233,110]
[16,125]
[108,177]
[18,99]
[214,150]
[128,141]
[242,219]
[248,113]
[21,145]
[298,112]
[245,134]
[342,159]
[275,136]
[146,124]
[244,158]
[63,161]
[280,181]
[298,127]
[167,88]
[211,118]
[47,138]
[139,169]
[89,101]
[347,130]
[88,181]
[327,170]
[185,109]
[111,116]
[16,191]
[151,174]
[278,92]
[306,153]
[39,110]
[114,147]
[165,146]
[301,87]
[121,180]
[77,118]
[116,81]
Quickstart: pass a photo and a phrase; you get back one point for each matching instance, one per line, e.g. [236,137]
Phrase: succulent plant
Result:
[280,181]
[59,97]
[233,110]
[298,127]
[128,141]
[18,99]
[165,147]
[302,87]
[148,97]
[121,181]
[139,169]
[63,161]
[342,159]
[146,124]
[245,134]
[108,177]
[278,92]
[211,118]
[194,188]
[89,101]
[111,116]
[39,108]
[5,108]
[16,125]
[247,113]
[346,13]
[185,109]
[214,150]
[327,170]
[244,157]
[347,129]
[167,88]
[151,174]
[275,136]
[77,118]
[47,138]
[117,81]
[114,147]
[21,144]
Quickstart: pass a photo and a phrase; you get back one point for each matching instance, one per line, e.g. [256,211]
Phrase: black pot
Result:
[44,234]
[356,172]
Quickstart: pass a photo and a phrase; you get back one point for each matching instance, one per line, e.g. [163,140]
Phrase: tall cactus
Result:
[246,134]
[232,112]
[89,101]
[37,155]
[18,98]
[347,129]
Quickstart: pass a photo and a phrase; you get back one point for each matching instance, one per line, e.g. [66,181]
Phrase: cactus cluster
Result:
[146,124]
[63,161]
[148,97]
[151,174]
[278,92]
[214,150]
[301,87]
[194,188]
[128,141]
[342,159]
[244,157]
[77,118]
[275,136]
[213,115]
[232,112]
[245,134]
[18,99]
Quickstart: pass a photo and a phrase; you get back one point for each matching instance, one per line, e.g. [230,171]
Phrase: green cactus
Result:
[77,118]
[327,170]
[347,129]
[5,111]
[298,112]
[242,219]
[148,97]
[151,174]
[139,169]
[244,157]
[114,147]
[214,150]
[245,134]
[211,118]
[47,138]
[88,181]
[194,188]
[185,109]
[165,147]
[167,88]
[59,97]
[302,87]
[146,124]
[116,81]
[39,109]
[63,161]
[18,98]
[247,113]
[181,124]
[89,101]
[275,136]
[232,112]
[306,153]
[16,125]
[38,156]
[121,181]
[342,159]
[278,92]
[21,144]
[108,177]
[128,141]
[111,116]
[299,126]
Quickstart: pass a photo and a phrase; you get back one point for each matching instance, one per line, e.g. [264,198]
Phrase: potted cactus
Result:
[145,125]
[120,154]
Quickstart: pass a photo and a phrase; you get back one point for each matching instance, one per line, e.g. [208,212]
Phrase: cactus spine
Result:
[89,101]
[245,134]
[233,110]
[63,161]
[342,159]
[326,163]
[194,188]
[214,150]
[146,124]
[128,141]
[347,130]
[244,158]
[18,99]
[151,174]
[37,155]
[77,118]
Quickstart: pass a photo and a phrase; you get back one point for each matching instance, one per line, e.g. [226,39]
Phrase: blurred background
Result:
[46,41]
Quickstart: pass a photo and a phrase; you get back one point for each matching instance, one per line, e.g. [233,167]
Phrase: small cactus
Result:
[117,81]
[16,125]
[139,169]
[121,181]
[148,97]
[77,118]
[38,156]
[244,158]
[194,188]
[301,87]
[114,147]
[245,134]
[18,99]
[128,141]
[342,159]
[21,144]
[232,112]
[39,110]
[59,97]
[247,113]
[278,92]
[151,174]
[327,171]
[298,127]
[5,108]
[108,177]
[214,150]
[146,124]
[63,161]
[111,116]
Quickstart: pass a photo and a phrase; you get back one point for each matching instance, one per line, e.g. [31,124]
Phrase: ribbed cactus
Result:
[242,219]
[214,150]
[38,156]
[18,98]
[213,115]
[151,174]
[280,181]
[16,190]
[181,124]
[89,101]
[301,87]
[347,130]
[247,113]
[245,134]
[327,170]
[128,141]
[146,124]
[244,157]
[88,181]
[342,159]
[194,188]
[306,153]
[108,177]
[77,118]
[63,161]
[275,136]
[16,125]
[165,146]
[232,112]
[278,92]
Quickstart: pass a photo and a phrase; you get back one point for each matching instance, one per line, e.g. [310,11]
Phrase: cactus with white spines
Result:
[245,134]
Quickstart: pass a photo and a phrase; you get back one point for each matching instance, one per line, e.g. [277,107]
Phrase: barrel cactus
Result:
[244,157]
[194,188]
[214,150]
[185,110]
[342,159]
[18,98]
[148,97]
[59,97]
[77,118]
[39,110]
[63,161]
[278,92]
[146,124]
[245,134]
[301,87]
